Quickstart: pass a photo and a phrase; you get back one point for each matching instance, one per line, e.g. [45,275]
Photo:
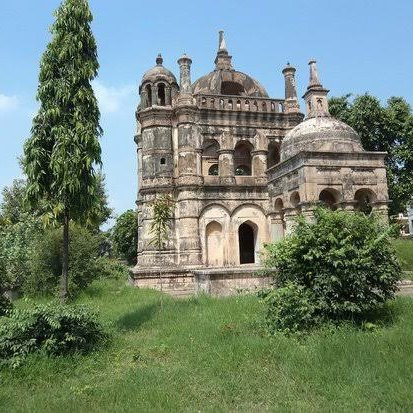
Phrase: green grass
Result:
[208,354]
[404,248]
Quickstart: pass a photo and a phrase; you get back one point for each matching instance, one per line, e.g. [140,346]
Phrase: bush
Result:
[345,259]
[290,309]
[51,329]
[112,268]
[46,261]
[124,236]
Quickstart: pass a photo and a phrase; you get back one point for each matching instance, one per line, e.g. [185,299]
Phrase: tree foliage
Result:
[162,213]
[384,128]
[345,260]
[61,155]
[124,236]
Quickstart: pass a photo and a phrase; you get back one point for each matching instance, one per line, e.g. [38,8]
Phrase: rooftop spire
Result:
[159,60]
[316,94]
[314,80]
[222,46]
[223,60]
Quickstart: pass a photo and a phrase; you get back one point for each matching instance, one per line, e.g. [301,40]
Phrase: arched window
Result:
[221,103]
[272,106]
[230,104]
[161,94]
[163,161]
[264,106]
[364,199]
[203,102]
[247,105]
[329,198]
[213,170]
[242,158]
[238,104]
[273,157]
[280,107]
[210,148]
[255,105]
[148,95]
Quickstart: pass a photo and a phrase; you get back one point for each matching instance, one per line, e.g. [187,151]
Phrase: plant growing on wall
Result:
[162,213]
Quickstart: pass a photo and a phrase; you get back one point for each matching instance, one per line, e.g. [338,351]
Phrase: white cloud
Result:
[111,99]
[8,103]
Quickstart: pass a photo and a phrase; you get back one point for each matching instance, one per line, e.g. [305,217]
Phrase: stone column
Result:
[168,96]
[380,208]
[307,210]
[289,217]
[154,91]
[277,226]
[259,165]
[226,166]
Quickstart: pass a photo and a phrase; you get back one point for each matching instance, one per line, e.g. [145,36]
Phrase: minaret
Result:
[223,59]
[291,101]
[316,96]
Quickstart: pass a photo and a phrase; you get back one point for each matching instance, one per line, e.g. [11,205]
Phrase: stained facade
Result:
[240,166]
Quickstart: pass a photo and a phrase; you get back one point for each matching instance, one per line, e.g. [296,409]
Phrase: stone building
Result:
[239,166]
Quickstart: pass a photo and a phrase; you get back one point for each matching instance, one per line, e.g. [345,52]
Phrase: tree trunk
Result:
[65,258]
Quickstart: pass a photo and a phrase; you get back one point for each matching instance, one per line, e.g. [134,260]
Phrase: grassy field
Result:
[206,354]
[404,249]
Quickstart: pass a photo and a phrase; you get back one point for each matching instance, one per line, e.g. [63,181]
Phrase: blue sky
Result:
[360,45]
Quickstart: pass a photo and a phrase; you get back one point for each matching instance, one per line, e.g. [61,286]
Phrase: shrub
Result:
[46,261]
[52,329]
[290,309]
[345,259]
[124,236]
[112,268]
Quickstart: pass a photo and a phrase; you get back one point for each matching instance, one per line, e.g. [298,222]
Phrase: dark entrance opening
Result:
[246,244]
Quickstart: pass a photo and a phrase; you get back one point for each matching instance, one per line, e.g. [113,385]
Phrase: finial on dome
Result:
[159,60]
[223,60]
[222,46]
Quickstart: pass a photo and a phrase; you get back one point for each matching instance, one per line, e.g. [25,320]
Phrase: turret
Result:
[291,101]
[316,95]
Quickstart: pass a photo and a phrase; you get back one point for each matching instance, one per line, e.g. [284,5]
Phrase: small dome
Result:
[320,134]
[159,72]
[228,82]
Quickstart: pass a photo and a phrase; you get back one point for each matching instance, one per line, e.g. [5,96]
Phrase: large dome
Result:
[320,134]
[228,82]
[159,72]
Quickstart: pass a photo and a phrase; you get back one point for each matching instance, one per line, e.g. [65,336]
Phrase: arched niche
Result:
[295,199]
[214,244]
[329,198]
[247,242]
[364,198]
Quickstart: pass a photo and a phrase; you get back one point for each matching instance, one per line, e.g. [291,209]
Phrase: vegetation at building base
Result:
[63,150]
[213,354]
[383,128]
[339,267]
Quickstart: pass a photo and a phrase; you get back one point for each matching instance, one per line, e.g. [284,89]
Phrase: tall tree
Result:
[383,128]
[61,155]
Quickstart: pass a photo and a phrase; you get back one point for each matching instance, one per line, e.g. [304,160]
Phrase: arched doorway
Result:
[364,199]
[214,247]
[246,240]
[328,197]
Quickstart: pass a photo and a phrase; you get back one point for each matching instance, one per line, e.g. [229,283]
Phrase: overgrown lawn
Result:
[210,354]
